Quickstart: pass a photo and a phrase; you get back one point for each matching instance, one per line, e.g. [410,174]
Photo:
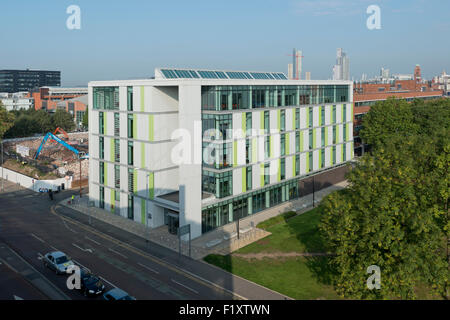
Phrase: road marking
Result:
[93,240]
[185,286]
[120,254]
[17,298]
[148,268]
[35,236]
[76,262]
[146,255]
[40,256]
[111,284]
[85,250]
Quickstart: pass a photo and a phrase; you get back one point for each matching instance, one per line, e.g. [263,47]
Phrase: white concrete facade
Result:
[157,127]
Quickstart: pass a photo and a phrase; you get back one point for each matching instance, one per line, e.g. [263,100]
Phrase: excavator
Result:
[80,154]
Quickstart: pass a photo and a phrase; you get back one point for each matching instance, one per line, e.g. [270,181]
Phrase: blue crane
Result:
[80,154]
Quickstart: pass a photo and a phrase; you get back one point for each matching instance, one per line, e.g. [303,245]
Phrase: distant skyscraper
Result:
[297,64]
[341,71]
[290,71]
[307,75]
[384,73]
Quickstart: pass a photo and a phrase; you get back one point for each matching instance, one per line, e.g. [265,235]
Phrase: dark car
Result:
[117,294]
[90,284]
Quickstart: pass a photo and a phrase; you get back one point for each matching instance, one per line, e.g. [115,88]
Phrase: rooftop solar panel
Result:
[205,74]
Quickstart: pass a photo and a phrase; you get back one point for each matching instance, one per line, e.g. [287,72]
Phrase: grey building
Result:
[12,81]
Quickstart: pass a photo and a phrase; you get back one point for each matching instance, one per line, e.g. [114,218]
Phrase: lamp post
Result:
[314,186]
[147,175]
[2,165]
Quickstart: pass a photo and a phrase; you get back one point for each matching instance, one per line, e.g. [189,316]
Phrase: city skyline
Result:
[129,40]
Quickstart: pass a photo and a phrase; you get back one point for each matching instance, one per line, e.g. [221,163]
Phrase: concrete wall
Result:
[33,184]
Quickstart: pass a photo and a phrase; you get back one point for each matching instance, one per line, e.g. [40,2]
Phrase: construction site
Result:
[56,155]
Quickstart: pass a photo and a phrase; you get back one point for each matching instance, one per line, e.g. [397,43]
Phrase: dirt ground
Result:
[54,161]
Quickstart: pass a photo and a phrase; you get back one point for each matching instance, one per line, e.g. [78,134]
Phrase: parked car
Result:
[91,285]
[57,261]
[117,294]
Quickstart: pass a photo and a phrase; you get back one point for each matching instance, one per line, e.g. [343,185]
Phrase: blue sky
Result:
[128,39]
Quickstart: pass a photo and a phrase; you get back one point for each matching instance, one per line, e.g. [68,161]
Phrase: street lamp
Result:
[2,165]
[147,175]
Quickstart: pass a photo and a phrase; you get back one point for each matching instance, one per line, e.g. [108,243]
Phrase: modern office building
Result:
[12,81]
[206,148]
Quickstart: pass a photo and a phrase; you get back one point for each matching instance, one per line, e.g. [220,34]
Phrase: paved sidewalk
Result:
[223,240]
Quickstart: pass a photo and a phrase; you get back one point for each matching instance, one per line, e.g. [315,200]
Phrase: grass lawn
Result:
[296,277]
[297,234]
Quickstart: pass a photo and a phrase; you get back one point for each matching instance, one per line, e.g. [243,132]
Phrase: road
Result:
[32,225]
[28,226]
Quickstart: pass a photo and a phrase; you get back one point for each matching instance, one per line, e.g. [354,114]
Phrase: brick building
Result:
[366,95]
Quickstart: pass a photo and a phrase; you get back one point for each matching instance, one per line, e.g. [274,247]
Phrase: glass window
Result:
[101,123]
[311,140]
[334,154]
[322,136]
[322,158]
[249,177]
[101,147]
[334,114]
[106,98]
[283,144]
[117,178]
[248,151]
[345,132]
[248,123]
[102,198]
[266,174]
[267,147]
[310,155]
[130,126]
[334,134]
[130,153]
[130,207]
[297,165]
[311,117]
[131,180]
[297,141]
[322,116]
[283,168]
[116,124]
[130,98]
[266,121]
[283,120]
[116,150]
[297,118]
[102,172]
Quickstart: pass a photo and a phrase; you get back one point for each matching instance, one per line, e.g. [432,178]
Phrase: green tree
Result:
[85,122]
[386,218]
[43,121]
[6,120]
[395,213]
[63,119]
[387,118]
